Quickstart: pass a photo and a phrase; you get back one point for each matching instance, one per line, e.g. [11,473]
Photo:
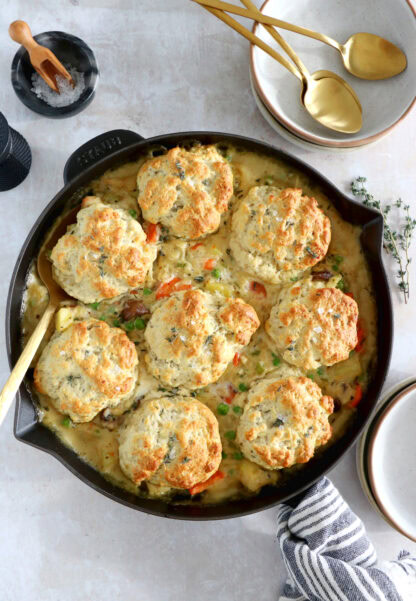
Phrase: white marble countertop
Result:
[165,66]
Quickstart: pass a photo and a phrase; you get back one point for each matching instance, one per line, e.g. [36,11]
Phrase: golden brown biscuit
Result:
[186,191]
[277,234]
[103,255]
[170,442]
[86,368]
[193,336]
[284,421]
[313,325]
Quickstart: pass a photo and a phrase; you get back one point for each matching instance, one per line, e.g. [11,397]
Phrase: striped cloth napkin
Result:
[329,557]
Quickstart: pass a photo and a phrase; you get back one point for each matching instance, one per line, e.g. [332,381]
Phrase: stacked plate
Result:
[385,102]
[386,458]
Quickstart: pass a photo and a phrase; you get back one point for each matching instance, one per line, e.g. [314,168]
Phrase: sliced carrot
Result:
[182,287]
[236,359]
[167,288]
[209,264]
[358,395]
[204,485]
[195,246]
[153,232]
[360,337]
[231,395]
[258,288]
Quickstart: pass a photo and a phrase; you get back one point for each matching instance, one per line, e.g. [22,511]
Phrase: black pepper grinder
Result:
[15,156]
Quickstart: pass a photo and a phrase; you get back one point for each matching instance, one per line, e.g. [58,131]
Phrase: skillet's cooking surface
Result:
[28,430]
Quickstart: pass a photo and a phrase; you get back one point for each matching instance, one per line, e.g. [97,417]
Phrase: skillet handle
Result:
[99,147]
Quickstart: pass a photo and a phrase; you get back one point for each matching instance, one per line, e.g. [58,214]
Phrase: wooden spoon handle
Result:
[20,32]
[15,379]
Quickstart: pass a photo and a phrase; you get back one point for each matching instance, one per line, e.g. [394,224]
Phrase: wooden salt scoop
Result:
[43,60]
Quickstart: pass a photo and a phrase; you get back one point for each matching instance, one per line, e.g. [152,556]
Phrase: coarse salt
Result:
[68,94]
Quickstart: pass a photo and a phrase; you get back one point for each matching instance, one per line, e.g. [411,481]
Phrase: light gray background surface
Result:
[166,66]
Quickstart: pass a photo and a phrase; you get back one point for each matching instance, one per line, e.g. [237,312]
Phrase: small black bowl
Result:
[69,50]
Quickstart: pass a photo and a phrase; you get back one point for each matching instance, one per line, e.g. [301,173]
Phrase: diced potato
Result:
[254,477]
[64,318]
[223,289]
[158,491]
[346,371]
[67,315]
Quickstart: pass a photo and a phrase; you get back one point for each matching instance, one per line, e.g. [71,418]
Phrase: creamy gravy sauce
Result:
[96,442]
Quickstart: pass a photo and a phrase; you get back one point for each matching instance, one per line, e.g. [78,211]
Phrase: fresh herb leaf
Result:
[94,306]
[259,368]
[396,241]
[147,291]
[276,359]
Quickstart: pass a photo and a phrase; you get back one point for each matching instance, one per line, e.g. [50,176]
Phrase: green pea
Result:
[223,409]
[216,273]
[230,435]
[237,455]
[67,422]
[129,325]
[242,387]
[238,410]
[94,306]
[139,324]
[133,213]
[224,455]
[116,323]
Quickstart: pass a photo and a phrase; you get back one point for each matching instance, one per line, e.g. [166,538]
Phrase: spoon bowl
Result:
[369,56]
[331,101]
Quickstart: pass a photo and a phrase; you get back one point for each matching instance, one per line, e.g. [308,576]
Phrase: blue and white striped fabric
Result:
[328,555]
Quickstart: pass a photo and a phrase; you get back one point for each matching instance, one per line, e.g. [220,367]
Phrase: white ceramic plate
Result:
[287,135]
[384,102]
[362,446]
[391,462]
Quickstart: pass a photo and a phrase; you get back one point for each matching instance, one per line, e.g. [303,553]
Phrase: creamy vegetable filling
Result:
[208,264]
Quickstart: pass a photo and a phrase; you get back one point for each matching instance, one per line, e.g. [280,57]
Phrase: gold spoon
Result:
[56,296]
[365,55]
[325,95]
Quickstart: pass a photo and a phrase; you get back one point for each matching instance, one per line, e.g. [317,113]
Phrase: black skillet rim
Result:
[33,433]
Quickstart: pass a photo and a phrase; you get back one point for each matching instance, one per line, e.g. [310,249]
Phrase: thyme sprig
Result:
[396,241]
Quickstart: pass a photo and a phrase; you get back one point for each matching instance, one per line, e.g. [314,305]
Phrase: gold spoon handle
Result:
[15,379]
[265,19]
[276,35]
[253,39]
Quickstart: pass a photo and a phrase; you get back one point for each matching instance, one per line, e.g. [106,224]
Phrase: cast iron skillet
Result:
[117,147]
